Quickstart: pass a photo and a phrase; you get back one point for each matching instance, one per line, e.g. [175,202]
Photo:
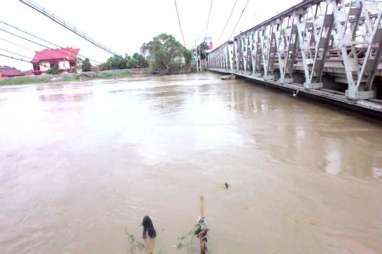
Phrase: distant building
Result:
[208,40]
[10,72]
[62,60]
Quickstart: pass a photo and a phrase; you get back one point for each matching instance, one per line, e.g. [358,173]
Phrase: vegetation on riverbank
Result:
[166,55]
[127,62]
[162,55]
[66,77]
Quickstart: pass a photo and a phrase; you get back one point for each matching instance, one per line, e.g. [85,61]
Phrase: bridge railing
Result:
[316,43]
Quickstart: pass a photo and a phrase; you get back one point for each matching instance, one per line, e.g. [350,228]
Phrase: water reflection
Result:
[333,159]
[377,172]
[63,97]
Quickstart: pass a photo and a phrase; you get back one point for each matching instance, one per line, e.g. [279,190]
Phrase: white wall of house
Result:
[64,65]
[44,66]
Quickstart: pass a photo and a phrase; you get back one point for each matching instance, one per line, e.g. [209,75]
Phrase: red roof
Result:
[6,71]
[69,54]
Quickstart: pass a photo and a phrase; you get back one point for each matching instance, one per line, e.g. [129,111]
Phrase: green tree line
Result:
[163,54]
[125,62]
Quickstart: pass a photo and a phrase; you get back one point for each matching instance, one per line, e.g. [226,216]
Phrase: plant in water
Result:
[185,241]
[134,244]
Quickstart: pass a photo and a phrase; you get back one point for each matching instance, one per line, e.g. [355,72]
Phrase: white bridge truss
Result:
[316,38]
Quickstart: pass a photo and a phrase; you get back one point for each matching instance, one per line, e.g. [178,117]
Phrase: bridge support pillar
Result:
[355,94]
[285,81]
[313,85]
[269,77]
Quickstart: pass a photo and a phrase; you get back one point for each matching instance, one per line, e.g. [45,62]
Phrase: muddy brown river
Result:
[81,164]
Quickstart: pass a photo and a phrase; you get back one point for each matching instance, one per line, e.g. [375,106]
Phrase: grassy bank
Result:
[113,74]
[66,77]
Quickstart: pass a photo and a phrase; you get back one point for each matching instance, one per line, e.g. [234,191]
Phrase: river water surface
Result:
[81,164]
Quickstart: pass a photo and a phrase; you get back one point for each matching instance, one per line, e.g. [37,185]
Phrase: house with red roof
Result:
[10,72]
[61,60]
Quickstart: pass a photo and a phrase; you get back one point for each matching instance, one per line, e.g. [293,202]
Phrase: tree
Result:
[202,50]
[139,61]
[86,65]
[114,62]
[165,54]
[127,62]
[136,61]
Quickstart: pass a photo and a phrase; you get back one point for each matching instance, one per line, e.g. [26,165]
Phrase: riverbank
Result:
[70,77]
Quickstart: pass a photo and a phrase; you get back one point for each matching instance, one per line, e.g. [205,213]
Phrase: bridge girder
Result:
[314,35]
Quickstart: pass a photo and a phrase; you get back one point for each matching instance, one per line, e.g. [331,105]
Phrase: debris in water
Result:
[148,228]
[186,240]
[201,233]
[199,230]
[134,244]
[202,229]
[149,234]
[228,77]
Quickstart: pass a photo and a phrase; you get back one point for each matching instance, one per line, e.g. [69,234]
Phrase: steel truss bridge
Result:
[324,48]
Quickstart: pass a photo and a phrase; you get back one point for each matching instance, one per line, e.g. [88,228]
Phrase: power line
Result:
[30,34]
[179,23]
[208,19]
[34,36]
[15,58]
[15,44]
[64,24]
[24,38]
[238,21]
[14,53]
[40,38]
[228,20]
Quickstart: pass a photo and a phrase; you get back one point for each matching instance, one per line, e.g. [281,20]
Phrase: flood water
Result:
[81,164]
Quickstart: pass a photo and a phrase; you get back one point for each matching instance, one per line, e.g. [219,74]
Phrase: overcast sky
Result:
[123,25]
